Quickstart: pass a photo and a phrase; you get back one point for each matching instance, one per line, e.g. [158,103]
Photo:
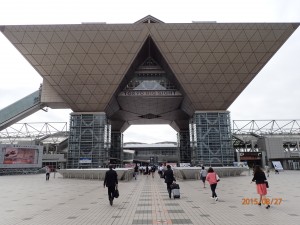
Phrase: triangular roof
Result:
[149,19]
[83,65]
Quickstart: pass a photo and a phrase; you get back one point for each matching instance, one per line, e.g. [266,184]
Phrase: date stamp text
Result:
[265,201]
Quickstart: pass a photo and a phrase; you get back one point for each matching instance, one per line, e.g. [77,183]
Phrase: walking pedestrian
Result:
[268,171]
[111,182]
[48,171]
[136,171]
[153,170]
[212,179]
[141,170]
[160,171]
[276,170]
[203,174]
[261,187]
[169,178]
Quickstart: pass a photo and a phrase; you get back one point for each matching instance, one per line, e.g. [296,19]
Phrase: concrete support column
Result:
[252,146]
[263,159]
[238,156]
[47,148]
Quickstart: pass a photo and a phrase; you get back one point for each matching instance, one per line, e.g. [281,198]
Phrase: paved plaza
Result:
[31,200]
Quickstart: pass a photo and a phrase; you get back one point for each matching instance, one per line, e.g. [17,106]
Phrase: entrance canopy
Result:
[148,72]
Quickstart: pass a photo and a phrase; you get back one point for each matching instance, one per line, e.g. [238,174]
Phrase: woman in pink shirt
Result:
[212,179]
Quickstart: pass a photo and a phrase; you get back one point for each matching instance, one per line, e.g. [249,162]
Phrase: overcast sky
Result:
[273,94]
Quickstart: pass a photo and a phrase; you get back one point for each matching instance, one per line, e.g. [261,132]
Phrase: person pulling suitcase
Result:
[169,178]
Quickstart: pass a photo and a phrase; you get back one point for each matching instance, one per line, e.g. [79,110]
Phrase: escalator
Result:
[20,109]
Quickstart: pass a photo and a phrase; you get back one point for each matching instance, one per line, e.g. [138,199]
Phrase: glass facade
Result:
[116,150]
[211,140]
[208,141]
[184,146]
[150,76]
[89,141]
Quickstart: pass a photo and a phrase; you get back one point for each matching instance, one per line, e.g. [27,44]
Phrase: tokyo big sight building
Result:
[150,72]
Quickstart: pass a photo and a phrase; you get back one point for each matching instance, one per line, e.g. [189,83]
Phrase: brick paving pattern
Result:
[31,200]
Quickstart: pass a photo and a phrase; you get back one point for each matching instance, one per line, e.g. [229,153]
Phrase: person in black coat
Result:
[147,170]
[169,178]
[261,187]
[136,171]
[111,181]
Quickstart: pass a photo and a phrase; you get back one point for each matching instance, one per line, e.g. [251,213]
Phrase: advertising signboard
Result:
[16,156]
[13,155]
[85,160]
[277,165]
[184,164]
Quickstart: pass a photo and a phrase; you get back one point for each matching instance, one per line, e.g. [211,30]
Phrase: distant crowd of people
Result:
[167,174]
[145,170]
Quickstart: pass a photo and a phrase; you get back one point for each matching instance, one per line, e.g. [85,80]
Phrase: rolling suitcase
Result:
[175,189]
[176,193]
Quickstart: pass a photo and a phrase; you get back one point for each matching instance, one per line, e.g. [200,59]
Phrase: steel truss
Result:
[266,127]
[34,132]
[247,132]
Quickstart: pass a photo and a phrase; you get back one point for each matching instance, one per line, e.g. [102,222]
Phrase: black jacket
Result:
[259,178]
[111,178]
[136,169]
[169,176]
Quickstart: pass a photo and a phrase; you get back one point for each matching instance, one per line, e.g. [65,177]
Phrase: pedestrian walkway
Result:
[31,200]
